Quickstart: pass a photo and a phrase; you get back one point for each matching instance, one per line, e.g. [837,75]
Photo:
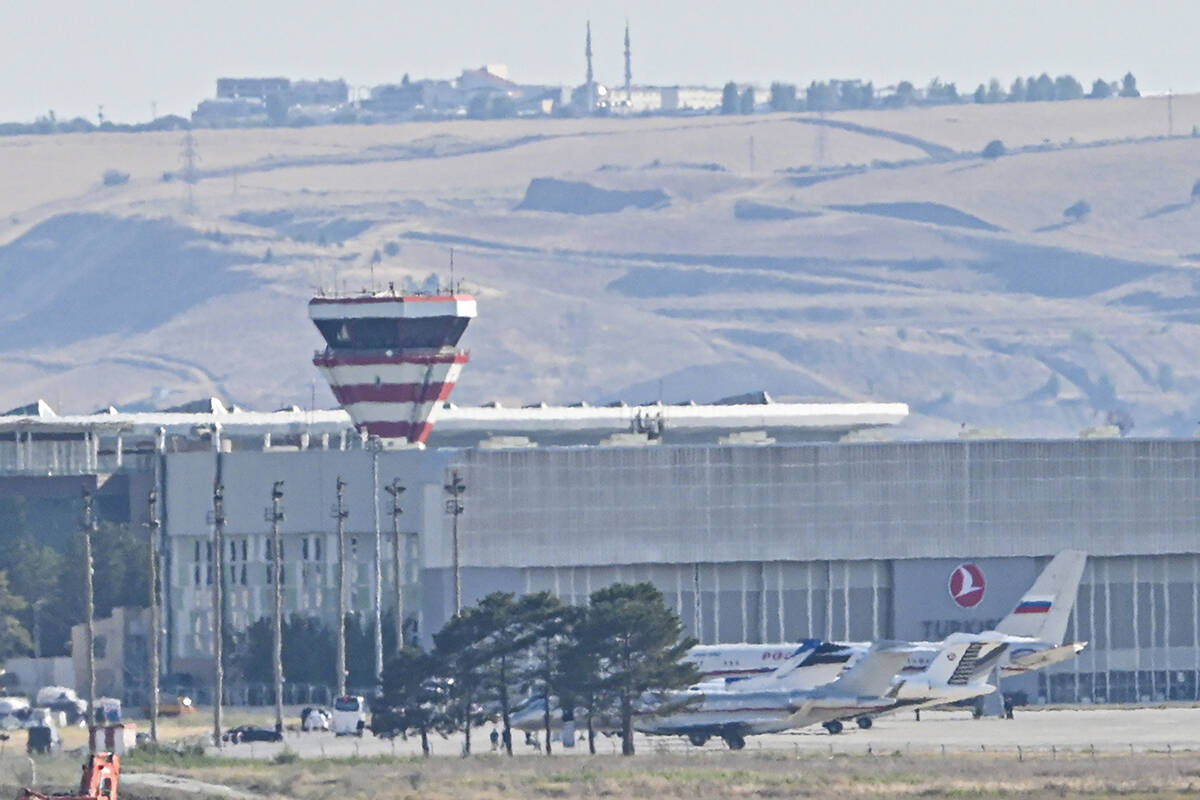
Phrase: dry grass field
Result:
[857,256]
[947,754]
[717,775]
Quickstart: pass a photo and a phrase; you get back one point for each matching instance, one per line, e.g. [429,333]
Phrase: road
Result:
[1106,730]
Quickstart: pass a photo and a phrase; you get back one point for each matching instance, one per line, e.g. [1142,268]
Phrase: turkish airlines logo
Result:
[966,585]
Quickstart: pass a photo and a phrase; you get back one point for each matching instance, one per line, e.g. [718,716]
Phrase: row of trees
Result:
[838,95]
[1043,88]
[43,569]
[601,658]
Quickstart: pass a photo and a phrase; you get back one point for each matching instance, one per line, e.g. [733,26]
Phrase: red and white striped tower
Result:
[391,359]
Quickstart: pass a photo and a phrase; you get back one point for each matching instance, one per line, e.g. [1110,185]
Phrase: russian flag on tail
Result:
[1033,607]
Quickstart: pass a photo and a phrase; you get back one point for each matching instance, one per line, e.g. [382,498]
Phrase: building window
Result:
[317,547]
[196,575]
[100,645]
[304,545]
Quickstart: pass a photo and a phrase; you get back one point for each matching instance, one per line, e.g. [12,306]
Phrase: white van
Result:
[349,716]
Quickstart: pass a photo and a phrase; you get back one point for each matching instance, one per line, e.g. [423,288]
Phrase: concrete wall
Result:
[34,673]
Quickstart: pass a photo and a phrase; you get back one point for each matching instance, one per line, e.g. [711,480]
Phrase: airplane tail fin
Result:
[1045,609]
[789,674]
[873,674]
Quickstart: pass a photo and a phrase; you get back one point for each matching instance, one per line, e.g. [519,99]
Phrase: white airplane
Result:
[1033,633]
[780,700]
[785,698]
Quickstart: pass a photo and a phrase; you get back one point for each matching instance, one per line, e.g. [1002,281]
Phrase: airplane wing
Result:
[1023,661]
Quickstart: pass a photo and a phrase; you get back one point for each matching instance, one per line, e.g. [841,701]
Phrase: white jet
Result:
[1033,633]
[779,701]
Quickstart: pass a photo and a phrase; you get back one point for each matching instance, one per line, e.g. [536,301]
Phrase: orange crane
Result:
[99,782]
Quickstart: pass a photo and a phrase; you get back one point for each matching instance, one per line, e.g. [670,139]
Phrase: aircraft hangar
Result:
[756,529]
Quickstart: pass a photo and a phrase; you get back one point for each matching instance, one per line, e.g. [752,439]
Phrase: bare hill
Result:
[864,255]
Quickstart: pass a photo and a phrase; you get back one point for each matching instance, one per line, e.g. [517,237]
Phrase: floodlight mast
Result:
[454,506]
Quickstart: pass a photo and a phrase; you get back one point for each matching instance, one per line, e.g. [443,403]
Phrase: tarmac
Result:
[1082,730]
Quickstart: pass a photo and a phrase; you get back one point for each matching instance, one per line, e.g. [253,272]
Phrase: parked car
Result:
[13,712]
[315,718]
[251,733]
[61,698]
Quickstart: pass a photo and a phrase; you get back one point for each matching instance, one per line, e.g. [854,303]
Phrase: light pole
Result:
[275,516]
[454,506]
[218,600]
[340,513]
[376,445]
[395,490]
[88,527]
[152,526]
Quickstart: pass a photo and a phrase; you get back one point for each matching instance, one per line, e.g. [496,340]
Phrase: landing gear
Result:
[735,741]
[865,723]
[698,739]
[833,726]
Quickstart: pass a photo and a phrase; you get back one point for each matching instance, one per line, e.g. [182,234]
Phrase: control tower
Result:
[392,359]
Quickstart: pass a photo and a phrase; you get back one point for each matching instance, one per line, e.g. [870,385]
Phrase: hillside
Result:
[857,256]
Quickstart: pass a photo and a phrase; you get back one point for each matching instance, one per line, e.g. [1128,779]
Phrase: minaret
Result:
[591,87]
[628,70]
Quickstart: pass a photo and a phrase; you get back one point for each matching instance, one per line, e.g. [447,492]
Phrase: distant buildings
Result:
[484,92]
[258,101]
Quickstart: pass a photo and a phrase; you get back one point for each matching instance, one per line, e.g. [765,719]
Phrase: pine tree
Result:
[729,99]
[413,698]
[639,643]
[553,632]
[746,103]
[1100,89]
[783,96]
[463,664]
[1017,92]
[1129,86]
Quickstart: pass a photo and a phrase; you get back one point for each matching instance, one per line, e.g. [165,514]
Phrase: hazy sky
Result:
[124,54]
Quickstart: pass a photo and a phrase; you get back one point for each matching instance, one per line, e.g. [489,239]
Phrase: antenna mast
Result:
[628,69]
[587,51]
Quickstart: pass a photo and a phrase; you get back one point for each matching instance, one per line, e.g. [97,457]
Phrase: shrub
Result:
[286,756]
[994,149]
[114,177]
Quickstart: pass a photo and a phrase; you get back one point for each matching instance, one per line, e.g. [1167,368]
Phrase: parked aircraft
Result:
[780,701]
[772,703]
[1033,631]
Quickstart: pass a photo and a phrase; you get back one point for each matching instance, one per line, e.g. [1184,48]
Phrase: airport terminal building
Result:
[759,522]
